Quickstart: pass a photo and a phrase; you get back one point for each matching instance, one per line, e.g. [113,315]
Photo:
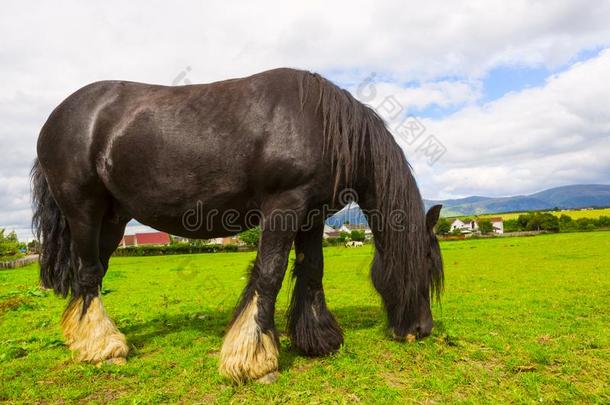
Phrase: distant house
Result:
[368,234]
[469,226]
[466,225]
[149,238]
[498,224]
[344,228]
[330,232]
[129,240]
[228,240]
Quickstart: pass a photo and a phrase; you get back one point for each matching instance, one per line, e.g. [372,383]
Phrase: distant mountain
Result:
[566,197]
[575,196]
[351,214]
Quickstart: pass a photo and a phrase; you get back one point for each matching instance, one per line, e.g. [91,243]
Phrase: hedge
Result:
[175,249]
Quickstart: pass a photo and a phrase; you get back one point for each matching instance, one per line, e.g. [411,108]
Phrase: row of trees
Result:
[538,221]
[355,235]
[535,221]
[252,236]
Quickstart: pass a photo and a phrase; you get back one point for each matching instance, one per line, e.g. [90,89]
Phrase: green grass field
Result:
[522,320]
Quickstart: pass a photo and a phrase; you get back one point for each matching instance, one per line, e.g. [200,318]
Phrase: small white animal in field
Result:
[353,243]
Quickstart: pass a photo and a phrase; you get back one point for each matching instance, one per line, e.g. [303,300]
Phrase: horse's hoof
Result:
[268,378]
[410,338]
[115,360]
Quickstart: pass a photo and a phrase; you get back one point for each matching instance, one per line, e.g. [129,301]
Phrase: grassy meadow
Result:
[522,320]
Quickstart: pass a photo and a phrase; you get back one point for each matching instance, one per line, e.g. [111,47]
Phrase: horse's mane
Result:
[357,142]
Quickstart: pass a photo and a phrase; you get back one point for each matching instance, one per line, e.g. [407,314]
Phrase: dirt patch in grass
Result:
[544,339]
[12,303]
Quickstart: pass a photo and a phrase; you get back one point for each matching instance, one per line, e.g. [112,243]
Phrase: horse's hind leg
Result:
[250,349]
[86,325]
[111,234]
[312,327]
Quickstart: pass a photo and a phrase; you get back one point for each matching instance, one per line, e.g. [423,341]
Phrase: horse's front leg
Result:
[312,327]
[251,350]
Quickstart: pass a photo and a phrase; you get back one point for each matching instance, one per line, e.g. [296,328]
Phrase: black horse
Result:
[285,144]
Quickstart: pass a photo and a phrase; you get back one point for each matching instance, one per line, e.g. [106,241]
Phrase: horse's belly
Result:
[200,222]
[200,218]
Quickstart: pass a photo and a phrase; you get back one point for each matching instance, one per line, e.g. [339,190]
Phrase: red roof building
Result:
[128,240]
[149,238]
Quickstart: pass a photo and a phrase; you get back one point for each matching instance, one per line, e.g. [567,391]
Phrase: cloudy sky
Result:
[487,97]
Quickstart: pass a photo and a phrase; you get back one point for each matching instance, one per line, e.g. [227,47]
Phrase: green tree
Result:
[548,222]
[485,226]
[537,221]
[251,236]
[33,246]
[512,225]
[582,224]
[443,226]
[9,245]
[523,221]
[532,222]
[357,235]
[198,242]
[603,222]
[566,223]
[344,236]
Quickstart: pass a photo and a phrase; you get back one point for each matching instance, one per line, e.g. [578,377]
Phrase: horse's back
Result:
[225,144]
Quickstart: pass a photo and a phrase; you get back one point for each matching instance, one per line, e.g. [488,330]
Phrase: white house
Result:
[330,232]
[469,226]
[498,224]
[344,228]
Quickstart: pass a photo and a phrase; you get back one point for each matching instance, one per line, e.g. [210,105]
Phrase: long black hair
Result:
[406,269]
[51,229]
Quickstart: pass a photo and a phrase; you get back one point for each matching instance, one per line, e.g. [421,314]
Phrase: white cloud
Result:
[537,138]
[442,93]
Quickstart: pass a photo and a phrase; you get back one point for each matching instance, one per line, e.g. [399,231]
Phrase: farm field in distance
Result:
[575,214]
[522,320]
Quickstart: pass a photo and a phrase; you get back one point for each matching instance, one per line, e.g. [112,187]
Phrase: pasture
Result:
[522,320]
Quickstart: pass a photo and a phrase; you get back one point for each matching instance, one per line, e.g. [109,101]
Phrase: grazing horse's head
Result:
[430,286]
[408,296]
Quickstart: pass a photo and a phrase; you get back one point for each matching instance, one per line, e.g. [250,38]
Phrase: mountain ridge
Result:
[564,197]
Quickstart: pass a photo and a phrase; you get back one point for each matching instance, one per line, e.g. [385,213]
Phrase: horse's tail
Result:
[360,146]
[53,234]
